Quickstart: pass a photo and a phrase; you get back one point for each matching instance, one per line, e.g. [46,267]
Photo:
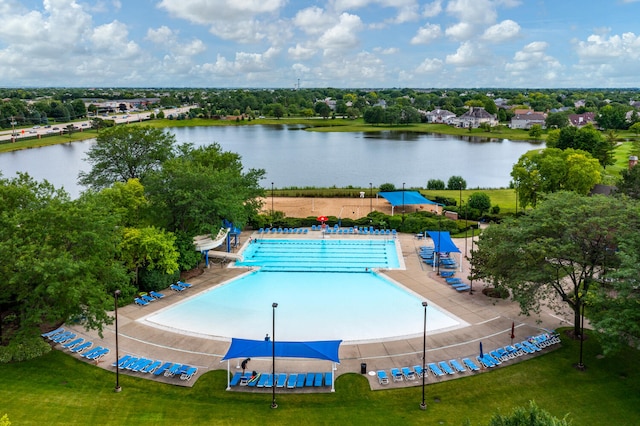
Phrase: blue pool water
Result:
[353,307]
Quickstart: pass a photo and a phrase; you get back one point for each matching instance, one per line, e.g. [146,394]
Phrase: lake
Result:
[294,157]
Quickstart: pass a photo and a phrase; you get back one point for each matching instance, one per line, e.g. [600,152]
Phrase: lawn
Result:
[58,389]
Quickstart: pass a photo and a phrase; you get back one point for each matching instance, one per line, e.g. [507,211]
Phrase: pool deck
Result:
[489,322]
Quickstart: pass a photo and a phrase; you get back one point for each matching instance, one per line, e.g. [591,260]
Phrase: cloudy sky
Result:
[335,43]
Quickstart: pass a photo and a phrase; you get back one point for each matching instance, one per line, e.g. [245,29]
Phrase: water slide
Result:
[205,242]
[225,255]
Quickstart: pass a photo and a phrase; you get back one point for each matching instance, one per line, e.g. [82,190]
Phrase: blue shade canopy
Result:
[410,197]
[442,242]
[323,349]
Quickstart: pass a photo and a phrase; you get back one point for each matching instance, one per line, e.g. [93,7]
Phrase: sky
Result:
[308,44]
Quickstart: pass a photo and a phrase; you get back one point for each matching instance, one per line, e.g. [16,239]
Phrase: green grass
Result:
[58,389]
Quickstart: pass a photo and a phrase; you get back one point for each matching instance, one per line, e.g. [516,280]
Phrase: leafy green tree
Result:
[58,258]
[128,201]
[278,110]
[126,152]
[387,187]
[374,115]
[435,184]
[552,170]
[629,184]
[612,117]
[149,248]
[456,183]
[635,128]
[557,120]
[554,253]
[480,201]
[322,109]
[527,416]
[194,191]
[535,131]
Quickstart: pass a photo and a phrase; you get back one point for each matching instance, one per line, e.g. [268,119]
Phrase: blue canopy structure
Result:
[396,198]
[442,242]
[323,349]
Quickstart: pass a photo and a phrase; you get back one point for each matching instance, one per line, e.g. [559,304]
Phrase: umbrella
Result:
[513,331]
[322,219]
[481,353]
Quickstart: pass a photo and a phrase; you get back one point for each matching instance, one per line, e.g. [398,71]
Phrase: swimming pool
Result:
[343,305]
[357,255]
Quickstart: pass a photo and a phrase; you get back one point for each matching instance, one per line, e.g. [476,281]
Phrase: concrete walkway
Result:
[489,321]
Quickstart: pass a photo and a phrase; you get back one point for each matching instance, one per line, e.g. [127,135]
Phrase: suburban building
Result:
[580,120]
[440,116]
[525,119]
[474,118]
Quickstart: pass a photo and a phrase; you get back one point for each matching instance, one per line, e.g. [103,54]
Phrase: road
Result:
[86,124]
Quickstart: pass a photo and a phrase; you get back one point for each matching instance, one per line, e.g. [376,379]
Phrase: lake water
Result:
[294,157]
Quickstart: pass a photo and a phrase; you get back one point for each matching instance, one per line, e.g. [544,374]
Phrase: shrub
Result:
[23,348]
[435,184]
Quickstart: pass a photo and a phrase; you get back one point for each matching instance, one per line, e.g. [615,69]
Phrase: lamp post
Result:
[471,269]
[115,295]
[437,253]
[423,405]
[271,200]
[581,365]
[273,356]
[370,197]
[402,202]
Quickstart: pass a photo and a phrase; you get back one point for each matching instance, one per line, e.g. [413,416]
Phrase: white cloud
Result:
[433,9]
[533,63]
[209,12]
[430,66]
[300,52]
[342,36]
[426,34]
[244,63]
[461,31]
[468,54]
[504,31]
[313,20]
[387,51]
[598,48]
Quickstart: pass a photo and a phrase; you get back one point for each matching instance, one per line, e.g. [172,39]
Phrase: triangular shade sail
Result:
[410,197]
[244,348]
[442,242]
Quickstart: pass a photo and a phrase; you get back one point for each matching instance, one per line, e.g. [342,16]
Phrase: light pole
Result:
[271,200]
[471,268]
[438,250]
[402,202]
[423,405]
[115,295]
[273,356]
[370,197]
[581,365]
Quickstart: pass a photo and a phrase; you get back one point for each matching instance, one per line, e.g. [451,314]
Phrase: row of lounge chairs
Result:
[438,369]
[74,344]
[281,380]
[529,346]
[145,298]
[283,231]
[155,367]
[180,286]
[428,256]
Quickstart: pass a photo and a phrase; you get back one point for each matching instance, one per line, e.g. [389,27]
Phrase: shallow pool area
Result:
[353,307]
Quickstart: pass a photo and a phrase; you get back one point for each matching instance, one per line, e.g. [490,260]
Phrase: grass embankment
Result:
[58,389]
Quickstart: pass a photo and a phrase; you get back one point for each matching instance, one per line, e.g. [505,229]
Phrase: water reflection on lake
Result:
[294,157]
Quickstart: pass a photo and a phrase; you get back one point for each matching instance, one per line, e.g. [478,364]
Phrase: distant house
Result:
[525,119]
[440,116]
[580,120]
[474,118]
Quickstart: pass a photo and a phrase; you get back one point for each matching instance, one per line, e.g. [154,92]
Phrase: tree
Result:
[635,128]
[479,201]
[527,416]
[59,257]
[322,109]
[557,120]
[149,248]
[435,184]
[457,183]
[612,117]
[554,253]
[552,170]
[123,152]
[629,184]
[278,110]
[535,131]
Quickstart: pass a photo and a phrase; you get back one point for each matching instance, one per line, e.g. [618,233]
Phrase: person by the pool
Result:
[244,364]
[267,338]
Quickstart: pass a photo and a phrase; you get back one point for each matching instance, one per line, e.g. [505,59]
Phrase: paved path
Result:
[489,321]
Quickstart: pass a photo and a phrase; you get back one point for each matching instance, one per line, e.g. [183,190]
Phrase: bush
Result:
[23,348]
[387,187]
[435,184]
[154,280]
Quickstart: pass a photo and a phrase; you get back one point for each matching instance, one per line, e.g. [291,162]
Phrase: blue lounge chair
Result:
[397,375]
[462,287]
[82,347]
[470,364]
[408,373]
[164,367]
[513,351]
[121,361]
[90,352]
[302,378]
[98,354]
[147,298]
[447,274]
[292,380]
[151,367]
[187,375]
[452,280]
[156,294]
[504,355]
[496,357]
[435,369]
[281,380]
[126,365]
[263,380]
[318,380]
[176,287]
[183,284]
[328,379]
[459,367]
[140,302]
[235,380]
[73,343]
[311,377]
[383,379]
[523,348]
[446,367]
[253,381]
[142,363]
[269,383]
[484,360]
[419,370]
[173,370]
[64,337]
[53,332]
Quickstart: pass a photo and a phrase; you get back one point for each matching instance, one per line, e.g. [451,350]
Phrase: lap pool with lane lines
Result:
[325,290]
